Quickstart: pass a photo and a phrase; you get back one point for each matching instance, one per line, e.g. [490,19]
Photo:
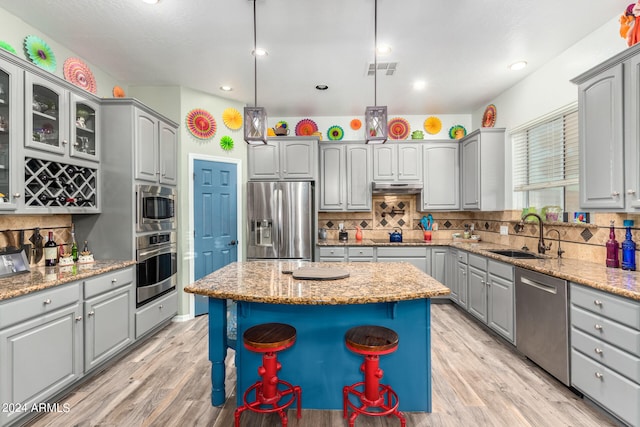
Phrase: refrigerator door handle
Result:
[278,197]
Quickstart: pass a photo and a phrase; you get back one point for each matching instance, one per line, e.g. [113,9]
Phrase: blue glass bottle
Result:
[628,248]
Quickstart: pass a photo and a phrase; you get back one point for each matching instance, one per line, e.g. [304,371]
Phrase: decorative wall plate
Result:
[118,92]
[6,46]
[398,128]
[306,127]
[356,124]
[489,116]
[457,132]
[232,118]
[201,123]
[432,125]
[78,73]
[335,133]
[226,142]
[39,52]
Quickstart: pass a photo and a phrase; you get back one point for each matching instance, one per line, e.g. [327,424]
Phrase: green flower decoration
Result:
[39,52]
[226,142]
[335,133]
[6,46]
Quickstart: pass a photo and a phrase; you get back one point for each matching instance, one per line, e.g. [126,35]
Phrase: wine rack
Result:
[54,184]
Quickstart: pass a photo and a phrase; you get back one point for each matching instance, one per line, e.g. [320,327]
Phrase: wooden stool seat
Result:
[269,337]
[371,339]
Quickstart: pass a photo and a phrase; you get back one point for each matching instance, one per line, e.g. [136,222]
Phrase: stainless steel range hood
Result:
[397,187]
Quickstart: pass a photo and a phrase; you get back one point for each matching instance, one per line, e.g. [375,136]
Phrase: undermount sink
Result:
[515,253]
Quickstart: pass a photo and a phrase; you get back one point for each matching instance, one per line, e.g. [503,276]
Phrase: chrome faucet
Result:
[542,248]
[560,251]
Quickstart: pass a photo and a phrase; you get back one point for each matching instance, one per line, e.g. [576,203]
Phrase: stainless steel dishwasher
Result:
[542,321]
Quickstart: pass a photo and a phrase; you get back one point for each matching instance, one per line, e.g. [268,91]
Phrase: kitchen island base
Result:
[319,361]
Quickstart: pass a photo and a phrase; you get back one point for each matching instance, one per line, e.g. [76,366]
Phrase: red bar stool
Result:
[268,339]
[376,399]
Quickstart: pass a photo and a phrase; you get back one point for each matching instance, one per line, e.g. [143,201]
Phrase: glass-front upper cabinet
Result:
[85,129]
[46,115]
[10,131]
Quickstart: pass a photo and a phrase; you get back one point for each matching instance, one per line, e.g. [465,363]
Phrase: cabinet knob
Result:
[630,191]
[597,327]
[47,301]
[64,142]
[597,350]
[597,302]
[599,375]
[482,281]
[161,306]
[615,193]
[79,318]
[114,280]
[17,195]
[91,313]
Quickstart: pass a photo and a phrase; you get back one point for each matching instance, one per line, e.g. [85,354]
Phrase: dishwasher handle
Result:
[552,289]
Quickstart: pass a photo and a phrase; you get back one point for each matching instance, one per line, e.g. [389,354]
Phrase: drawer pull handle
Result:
[597,302]
[47,301]
[161,306]
[114,280]
[91,313]
[598,350]
[79,318]
[599,375]
[597,327]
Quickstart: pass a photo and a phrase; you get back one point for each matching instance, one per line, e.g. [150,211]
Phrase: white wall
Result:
[14,30]
[549,88]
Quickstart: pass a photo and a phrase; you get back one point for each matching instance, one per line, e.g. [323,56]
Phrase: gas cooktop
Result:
[398,243]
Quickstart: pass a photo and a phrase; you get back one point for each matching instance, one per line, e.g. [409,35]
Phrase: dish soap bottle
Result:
[628,248]
[612,248]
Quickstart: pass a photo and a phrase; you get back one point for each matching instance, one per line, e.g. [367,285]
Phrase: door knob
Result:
[233,243]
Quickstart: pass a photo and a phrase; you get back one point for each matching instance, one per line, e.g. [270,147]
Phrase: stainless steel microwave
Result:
[155,208]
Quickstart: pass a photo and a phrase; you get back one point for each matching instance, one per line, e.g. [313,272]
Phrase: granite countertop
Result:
[263,281]
[612,280]
[40,278]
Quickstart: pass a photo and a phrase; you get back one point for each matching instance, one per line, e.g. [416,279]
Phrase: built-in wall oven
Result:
[155,208]
[157,265]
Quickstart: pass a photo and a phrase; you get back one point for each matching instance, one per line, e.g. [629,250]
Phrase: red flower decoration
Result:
[201,124]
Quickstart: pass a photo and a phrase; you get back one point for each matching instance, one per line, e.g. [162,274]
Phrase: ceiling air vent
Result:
[389,68]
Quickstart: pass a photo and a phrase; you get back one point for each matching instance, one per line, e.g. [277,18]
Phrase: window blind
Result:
[545,153]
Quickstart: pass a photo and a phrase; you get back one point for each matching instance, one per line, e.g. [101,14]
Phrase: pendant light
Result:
[255,118]
[375,118]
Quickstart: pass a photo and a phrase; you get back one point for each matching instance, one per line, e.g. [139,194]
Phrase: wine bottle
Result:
[50,251]
[74,245]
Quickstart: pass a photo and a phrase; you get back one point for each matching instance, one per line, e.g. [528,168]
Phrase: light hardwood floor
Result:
[478,380]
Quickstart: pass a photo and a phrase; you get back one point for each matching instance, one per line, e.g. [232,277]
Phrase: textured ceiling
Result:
[461,49]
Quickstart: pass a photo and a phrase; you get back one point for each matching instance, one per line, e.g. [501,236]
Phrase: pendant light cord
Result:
[375,54]
[255,58]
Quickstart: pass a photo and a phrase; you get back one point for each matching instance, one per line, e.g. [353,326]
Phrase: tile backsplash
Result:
[10,226]
[579,241]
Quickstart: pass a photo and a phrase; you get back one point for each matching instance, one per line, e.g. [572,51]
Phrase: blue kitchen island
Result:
[394,295]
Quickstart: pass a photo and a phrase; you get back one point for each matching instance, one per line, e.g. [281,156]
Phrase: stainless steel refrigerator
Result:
[281,220]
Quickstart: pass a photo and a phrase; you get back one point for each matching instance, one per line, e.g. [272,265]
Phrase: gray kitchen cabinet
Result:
[332,254]
[156,313]
[439,267]
[345,177]
[501,299]
[360,254]
[41,343]
[477,287]
[482,168]
[457,276]
[155,144]
[441,176]
[462,273]
[287,159]
[397,162]
[109,315]
[451,275]
[605,350]
[416,255]
[11,80]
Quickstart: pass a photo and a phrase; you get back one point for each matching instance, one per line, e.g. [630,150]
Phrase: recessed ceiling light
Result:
[383,49]
[322,87]
[151,1]
[226,88]
[419,85]
[260,52]
[518,65]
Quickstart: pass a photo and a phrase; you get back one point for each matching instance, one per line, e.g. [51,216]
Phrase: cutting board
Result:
[314,273]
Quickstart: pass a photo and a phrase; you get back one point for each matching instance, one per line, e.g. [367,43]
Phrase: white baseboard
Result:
[182,318]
